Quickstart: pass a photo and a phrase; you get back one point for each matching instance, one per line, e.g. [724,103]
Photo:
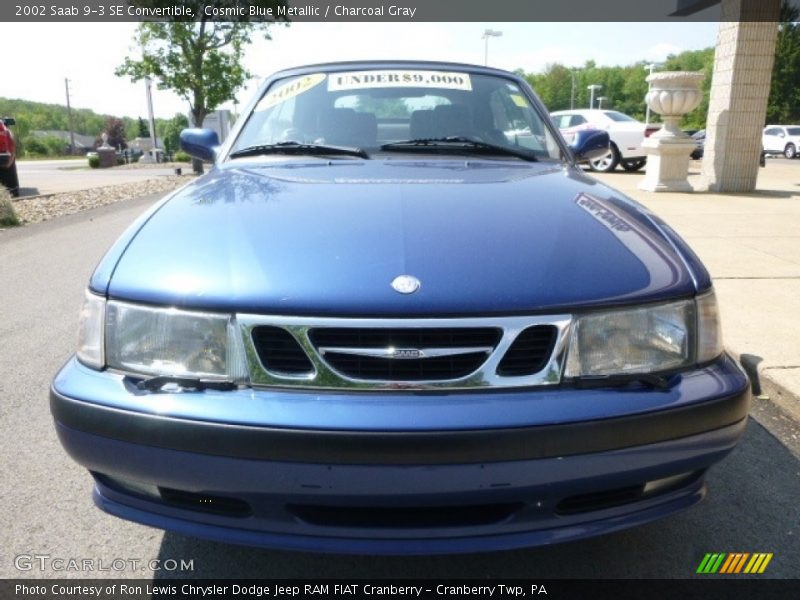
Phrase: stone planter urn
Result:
[107,154]
[672,94]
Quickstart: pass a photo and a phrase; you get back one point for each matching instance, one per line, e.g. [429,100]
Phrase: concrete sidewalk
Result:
[751,245]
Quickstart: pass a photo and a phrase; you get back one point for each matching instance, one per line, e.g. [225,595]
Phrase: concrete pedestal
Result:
[667,164]
[107,156]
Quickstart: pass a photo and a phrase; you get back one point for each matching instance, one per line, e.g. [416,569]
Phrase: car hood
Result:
[328,237]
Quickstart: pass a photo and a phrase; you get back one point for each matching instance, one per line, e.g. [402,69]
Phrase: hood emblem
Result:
[405,284]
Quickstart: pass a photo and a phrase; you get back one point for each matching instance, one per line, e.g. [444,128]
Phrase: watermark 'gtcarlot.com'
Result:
[48,562]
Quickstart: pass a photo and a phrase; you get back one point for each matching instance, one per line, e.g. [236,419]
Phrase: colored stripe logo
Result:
[731,563]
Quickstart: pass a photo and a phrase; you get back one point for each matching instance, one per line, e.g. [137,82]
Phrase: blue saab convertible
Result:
[396,317]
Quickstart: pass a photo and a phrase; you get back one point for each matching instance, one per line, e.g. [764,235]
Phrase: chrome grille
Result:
[405,354]
[454,353]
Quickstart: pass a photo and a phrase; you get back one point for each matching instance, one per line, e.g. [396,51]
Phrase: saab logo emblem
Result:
[734,562]
[405,284]
[409,353]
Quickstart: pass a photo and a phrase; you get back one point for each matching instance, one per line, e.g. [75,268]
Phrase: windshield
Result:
[368,109]
[617,116]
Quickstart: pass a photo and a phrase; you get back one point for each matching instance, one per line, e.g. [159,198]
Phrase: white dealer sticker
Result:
[356,80]
[290,90]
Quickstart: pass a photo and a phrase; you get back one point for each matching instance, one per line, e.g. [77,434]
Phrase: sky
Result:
[88,53]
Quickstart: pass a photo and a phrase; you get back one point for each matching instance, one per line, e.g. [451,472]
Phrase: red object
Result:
[650,130]
[7,146]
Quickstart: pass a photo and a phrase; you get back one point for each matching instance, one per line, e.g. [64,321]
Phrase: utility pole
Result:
[69,115]
[650,68]
[592,88]
[572,94]
[148,87]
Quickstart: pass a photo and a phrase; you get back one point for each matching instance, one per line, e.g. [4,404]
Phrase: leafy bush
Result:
[8,216]
[94,161]
[45,145]
[181,156]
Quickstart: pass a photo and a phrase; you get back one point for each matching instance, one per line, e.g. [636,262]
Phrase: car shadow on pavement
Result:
[751,507]
[28,191]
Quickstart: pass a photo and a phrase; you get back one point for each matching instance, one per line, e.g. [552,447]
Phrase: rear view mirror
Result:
[589,144]
[200,143]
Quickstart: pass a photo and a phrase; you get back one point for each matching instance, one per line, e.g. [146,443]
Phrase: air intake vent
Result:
[529,353]
[405,354]
[279,351]
[385,517]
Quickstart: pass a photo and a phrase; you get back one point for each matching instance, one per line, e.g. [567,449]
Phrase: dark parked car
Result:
[397,317]
[699,138]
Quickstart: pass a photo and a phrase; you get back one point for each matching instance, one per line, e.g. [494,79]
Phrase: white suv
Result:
[626,133]
[781,139]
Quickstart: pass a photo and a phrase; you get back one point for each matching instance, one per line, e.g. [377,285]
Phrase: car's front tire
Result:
[790,151]
[10,179]
[633,165]
[607,163]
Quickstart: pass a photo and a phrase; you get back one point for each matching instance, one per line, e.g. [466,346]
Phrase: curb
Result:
[767,389]
[785,399]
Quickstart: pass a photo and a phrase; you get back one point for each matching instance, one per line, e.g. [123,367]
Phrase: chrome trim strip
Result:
[325,377]
[405,353]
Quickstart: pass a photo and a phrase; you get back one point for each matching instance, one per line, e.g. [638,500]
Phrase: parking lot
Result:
[53,176]
[752,505]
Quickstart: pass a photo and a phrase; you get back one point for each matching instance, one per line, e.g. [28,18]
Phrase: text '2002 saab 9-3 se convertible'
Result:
[396,317]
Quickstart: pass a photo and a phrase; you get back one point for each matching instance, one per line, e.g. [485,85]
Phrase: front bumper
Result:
[423,473]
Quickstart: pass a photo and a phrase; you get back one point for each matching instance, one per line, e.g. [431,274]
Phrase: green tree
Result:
[143,130]
[784,94]
[170,132]
[200,61]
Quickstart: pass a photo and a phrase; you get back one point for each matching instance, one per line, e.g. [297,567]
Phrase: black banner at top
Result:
[389,10]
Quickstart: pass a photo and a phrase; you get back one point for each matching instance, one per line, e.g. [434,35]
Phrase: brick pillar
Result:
[739,93]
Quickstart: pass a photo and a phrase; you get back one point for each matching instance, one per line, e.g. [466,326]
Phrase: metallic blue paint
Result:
[309,236]
[327,238]
[589,144]
[200,143]
[269,486]
[401,411]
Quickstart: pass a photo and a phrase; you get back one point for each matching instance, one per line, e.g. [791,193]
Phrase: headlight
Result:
[90,331]
[640,340]
[709,334]
[167,341]
[648,339]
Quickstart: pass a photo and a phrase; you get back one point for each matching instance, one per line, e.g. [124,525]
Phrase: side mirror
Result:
[589,144]
[200,143]
[9,121]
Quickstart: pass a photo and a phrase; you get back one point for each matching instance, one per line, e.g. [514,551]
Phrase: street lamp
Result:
[600,101]
[592,88]
[486,35]
[649,68]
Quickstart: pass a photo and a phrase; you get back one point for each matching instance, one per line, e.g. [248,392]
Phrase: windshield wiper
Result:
[458,142]
[292,147]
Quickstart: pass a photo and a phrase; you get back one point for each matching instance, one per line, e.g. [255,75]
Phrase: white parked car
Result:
[626,133]
[781,139]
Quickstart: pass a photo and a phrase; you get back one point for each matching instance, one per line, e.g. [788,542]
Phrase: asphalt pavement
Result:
[753,503]
[37,177]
